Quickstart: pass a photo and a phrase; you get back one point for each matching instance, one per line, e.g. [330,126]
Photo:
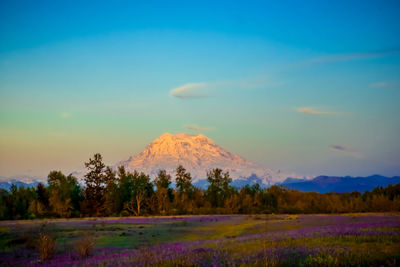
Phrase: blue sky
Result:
[310,87]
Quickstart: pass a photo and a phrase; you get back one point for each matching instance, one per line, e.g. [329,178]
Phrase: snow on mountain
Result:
[22,180]
[198,154]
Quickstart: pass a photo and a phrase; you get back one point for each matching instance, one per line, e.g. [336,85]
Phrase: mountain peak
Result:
[165,135]
[197,153]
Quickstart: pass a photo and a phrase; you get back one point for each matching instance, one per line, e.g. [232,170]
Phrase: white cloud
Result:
[384,84]
[351,56]
[314,111]
[190,90]
[201,90]
[198,128]
[378,84]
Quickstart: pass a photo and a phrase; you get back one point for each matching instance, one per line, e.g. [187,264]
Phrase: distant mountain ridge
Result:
[199,154]
[325,184]
[320,184]
[6,184]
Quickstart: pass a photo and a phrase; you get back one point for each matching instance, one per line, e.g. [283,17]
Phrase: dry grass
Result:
[85,245]
[46,246]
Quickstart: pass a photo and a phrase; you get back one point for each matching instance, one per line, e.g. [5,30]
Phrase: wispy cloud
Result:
[190,90]
[65,115]
[206,89]
[378,84]
[314,111]
[346,151]
[352,56]
[254,83]
[198,128]
[384,84]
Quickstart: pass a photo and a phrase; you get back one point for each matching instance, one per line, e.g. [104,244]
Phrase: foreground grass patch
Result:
[303,240]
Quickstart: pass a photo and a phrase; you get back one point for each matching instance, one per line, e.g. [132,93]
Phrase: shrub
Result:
[125,213]
[85,245]
[46,246]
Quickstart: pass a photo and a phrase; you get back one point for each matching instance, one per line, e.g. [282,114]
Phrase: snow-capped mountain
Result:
[198,154]
[23,180]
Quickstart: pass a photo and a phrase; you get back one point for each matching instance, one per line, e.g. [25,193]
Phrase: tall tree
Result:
[42,202]
[125,187]
[218,189]
[183,200]
[163,180]
[95,180]
[164,192]
[65,193]
[18,202]
[142,192]
[111,195]
[184,181]
[76,193]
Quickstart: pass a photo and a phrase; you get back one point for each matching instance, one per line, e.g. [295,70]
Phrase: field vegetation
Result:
[217,240]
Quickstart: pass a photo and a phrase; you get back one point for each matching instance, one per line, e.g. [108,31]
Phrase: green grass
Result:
[128,235]
[224,229]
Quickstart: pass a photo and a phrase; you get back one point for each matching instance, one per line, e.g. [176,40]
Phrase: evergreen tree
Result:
[111,196]
[163,180]
[184,196]
[164,193]
[218,189]
[42,205]
[4,195]
[95,180]
[184,181]
[125,187]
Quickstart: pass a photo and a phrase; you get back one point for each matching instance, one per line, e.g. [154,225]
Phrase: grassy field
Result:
[225,240]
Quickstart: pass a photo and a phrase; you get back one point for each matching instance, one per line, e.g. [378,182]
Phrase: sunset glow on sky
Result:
[312,89]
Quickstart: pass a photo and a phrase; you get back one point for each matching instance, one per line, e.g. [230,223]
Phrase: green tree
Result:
[111,196]
[218,189]
[65,194]
[163,180]
[141,194]
[39,205]
[95,180]
[184,195]
[3,204]
[184,181]
[125,187]
[269,202]
[18,202]
[42,199]
[164,193]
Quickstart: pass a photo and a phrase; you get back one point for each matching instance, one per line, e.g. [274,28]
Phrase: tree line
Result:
[121,193]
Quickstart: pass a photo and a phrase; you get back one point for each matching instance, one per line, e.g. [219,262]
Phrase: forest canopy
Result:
[107,192]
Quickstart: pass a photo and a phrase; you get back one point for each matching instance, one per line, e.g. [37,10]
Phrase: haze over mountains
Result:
[325,184]
[199,154]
